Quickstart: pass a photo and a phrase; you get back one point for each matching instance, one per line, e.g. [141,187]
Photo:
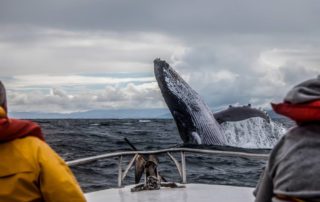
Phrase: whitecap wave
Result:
[144,121]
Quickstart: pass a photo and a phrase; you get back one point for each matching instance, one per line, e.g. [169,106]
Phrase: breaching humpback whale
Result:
[195,121]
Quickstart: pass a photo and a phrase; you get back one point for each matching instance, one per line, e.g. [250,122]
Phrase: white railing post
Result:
[183,167]
[120,171]
[178,165]
[129,166]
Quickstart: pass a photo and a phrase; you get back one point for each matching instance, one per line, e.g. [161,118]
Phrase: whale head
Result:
[193,117]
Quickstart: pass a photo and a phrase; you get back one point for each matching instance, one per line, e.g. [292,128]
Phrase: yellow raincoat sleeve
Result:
[57,182]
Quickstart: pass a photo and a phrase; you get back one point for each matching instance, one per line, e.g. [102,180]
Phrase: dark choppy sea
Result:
[74,139]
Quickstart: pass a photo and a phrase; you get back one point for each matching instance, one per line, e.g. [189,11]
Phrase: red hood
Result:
[11,129]
[301,113]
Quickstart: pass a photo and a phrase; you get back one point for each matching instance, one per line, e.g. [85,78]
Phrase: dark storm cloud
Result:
[187,17]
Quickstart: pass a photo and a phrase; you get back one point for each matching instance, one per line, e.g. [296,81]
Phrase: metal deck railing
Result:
[181,166]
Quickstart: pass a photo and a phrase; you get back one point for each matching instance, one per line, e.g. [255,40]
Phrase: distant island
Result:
[157,113]
[98,114]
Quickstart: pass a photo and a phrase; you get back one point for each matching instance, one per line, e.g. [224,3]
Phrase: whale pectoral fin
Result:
[239,113]
[196,137]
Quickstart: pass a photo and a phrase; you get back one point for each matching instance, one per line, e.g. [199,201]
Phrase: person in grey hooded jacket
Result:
[292,173]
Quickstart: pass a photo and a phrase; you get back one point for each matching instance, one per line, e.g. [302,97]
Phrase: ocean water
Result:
[79,138]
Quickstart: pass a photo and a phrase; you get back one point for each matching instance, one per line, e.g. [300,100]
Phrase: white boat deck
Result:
[192,193]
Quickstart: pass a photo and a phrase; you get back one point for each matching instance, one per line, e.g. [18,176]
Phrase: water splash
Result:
[253,133]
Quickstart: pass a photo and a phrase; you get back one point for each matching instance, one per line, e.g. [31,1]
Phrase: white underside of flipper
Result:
[196,137]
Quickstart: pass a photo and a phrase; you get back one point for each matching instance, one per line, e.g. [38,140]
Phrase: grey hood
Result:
[306,91]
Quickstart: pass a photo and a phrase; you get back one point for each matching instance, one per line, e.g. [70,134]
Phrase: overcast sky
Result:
[78,55]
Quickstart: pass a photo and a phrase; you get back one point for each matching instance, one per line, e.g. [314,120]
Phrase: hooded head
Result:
[304,92]
[3,101]
[11,129]
[302,102]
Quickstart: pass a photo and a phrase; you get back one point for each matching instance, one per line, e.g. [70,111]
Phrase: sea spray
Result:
[253,133]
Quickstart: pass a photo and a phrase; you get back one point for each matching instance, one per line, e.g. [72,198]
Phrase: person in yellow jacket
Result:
[30,171]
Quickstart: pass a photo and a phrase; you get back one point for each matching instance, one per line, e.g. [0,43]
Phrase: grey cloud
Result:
[219,56]
[59,93]
[249,73]
[145,95]
[61,51]
[294,73]
[167,16]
